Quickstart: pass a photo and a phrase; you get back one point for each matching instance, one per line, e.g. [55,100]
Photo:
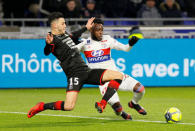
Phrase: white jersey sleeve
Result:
[81,45]
[119,46]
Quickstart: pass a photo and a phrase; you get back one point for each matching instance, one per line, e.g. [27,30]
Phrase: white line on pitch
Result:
[99,118]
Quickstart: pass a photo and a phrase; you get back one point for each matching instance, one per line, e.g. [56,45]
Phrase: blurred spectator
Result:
[14,9]
[158,2]
[132,7]
[149,10]
[33,11]
[71,10]
[190,7]
[48,6]
[1,12]
[79,4]
[182,4]
[90,10]
[1,9]
[171,9]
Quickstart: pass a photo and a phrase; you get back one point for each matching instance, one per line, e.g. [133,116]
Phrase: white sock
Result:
[137,97]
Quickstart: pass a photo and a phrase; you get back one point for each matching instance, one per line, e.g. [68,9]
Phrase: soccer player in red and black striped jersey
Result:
[60,44]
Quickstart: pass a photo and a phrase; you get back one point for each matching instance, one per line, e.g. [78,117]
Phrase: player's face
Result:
[61,25]
[98,31]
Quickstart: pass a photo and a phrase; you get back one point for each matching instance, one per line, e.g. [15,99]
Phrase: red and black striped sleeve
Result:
[48,49]
[76,34]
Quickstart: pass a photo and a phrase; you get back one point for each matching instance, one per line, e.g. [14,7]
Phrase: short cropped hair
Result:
[98,21]
[54,16]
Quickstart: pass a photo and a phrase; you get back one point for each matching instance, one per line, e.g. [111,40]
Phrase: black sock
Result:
[58,105]
[112,87]
[49,106]
[109,93]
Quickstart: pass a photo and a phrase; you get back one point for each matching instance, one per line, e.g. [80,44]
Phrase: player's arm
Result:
[124,47]
[133,40]
[49,47]
[76,34]
[81,45]
[135,35]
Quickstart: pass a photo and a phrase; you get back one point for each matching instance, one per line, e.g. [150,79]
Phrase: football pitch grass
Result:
[15,103]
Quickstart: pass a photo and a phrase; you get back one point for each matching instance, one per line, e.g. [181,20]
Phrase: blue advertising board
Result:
[154,62]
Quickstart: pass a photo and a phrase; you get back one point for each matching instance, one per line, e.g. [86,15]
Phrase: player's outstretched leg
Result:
[115,79]
[41,106]
[137,107]
[126,116]
[100,105]
[111,90]
[139,91]
[117,107]
[36,109]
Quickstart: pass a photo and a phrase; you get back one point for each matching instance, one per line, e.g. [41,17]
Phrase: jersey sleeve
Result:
[114,44]
[48,49]
[77,34]
[80,46]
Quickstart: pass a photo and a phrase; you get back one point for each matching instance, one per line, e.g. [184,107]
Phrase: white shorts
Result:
[127,84]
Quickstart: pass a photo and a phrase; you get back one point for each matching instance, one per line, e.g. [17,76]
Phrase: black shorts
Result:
[93,76]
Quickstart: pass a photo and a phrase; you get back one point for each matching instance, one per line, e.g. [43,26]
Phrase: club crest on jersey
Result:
[88,42]
[97,53]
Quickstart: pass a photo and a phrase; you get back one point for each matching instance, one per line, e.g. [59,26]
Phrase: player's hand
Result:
[133,40]
[49,38]
[90,23]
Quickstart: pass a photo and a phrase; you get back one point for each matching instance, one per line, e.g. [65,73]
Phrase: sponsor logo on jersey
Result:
[96,53]
[96,56]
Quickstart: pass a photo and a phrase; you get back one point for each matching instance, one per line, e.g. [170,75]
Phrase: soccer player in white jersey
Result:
[97,50]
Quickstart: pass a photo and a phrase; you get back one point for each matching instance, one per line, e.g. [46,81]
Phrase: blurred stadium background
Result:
[165,58]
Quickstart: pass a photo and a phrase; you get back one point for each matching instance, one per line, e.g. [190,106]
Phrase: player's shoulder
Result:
[86,41]
[107,36]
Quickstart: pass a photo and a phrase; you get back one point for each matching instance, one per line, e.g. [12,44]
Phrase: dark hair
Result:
[53,16]
[98,21]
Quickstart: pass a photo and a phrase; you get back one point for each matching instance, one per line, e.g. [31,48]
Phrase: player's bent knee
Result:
[119,76]
[139,88]
[111,75]
[115,84]
[69,108]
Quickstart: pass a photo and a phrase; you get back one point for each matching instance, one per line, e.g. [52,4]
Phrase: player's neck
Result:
[94,38]
[55,32]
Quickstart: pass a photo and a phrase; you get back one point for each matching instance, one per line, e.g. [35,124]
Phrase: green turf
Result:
[155,101]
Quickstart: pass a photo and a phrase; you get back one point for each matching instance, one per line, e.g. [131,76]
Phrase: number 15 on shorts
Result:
[74,81]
